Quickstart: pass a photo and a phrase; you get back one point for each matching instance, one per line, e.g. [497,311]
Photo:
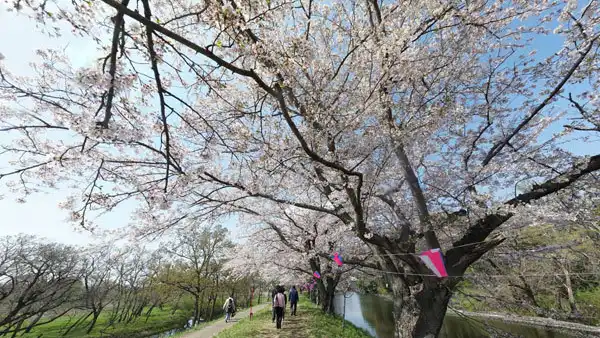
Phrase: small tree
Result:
[194,251]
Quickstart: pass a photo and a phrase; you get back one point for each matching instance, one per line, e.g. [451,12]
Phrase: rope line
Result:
[496,276]
[453,247]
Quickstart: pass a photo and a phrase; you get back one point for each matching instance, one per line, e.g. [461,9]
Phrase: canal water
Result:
[374,314]
[173,332]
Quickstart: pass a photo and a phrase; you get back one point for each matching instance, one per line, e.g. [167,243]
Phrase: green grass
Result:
[589,304]
[158,321]
[248,328]
[310,322]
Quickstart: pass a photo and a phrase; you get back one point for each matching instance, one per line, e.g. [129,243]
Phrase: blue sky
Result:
[41,215]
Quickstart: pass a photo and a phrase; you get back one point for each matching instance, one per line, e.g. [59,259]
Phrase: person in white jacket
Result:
[229,308]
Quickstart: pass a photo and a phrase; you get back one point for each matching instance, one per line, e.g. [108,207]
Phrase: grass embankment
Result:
[157,321]
[310,322]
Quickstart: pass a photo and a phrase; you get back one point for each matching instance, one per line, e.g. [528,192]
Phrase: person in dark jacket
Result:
[293,300]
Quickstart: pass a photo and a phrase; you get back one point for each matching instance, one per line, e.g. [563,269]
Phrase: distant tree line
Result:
[41,282]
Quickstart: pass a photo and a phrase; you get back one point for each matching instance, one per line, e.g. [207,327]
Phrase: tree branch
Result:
[497,148]
[203,51]
[479,231]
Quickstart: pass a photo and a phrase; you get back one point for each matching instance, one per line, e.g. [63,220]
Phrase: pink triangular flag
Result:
[338,259]
[434,261]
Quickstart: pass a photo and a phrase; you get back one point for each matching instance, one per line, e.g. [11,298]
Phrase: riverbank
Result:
[546,323]
[375,314]
[309,322]
[541,322]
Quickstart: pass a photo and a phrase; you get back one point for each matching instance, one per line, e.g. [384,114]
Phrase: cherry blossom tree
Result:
[416,125]
[290,244]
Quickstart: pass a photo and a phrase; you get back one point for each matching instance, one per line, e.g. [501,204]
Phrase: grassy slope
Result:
[310,322]
[158,321]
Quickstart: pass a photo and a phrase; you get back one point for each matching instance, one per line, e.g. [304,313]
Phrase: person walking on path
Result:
[285,297]
[273,293]
[293,300]
[213,329]
[229,308]
[279,303]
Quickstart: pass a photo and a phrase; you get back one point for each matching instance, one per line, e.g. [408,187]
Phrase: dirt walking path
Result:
[214,329]
[292,327]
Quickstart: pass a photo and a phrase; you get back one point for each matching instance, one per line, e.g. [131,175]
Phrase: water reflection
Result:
[378,314]
[172,332]
[374,314]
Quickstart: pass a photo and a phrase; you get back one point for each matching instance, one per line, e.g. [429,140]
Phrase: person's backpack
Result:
[279,301]
[230,306]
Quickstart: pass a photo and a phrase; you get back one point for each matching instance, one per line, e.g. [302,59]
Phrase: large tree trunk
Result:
[259,295]
[569,290]
[214,303]
[313,295]
[77,322]
[34,322]
[196,310]
[93,322]
[17,329]
[329,296]
[419,311]
[201,306]
[326,294]
[212,310]
[325,286]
